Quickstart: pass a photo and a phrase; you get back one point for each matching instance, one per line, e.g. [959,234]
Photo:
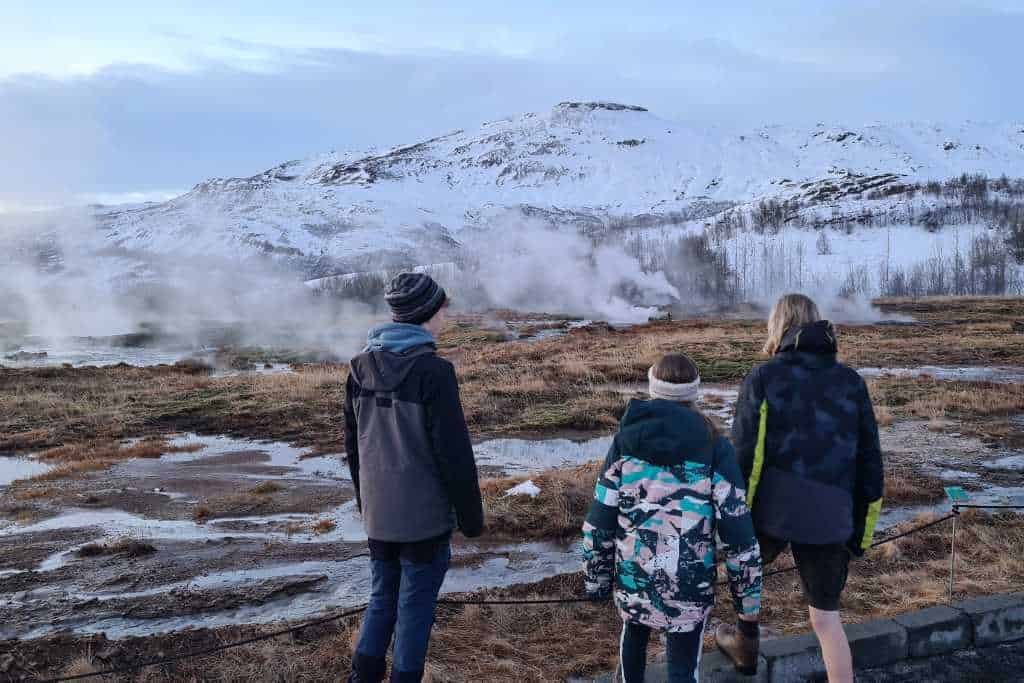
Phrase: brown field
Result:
[577,384]
[478,643]
[565,383]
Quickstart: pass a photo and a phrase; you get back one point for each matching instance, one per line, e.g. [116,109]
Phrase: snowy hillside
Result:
[611,172]
[584,164]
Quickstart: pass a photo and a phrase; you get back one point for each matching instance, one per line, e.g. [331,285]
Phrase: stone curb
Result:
[978,622]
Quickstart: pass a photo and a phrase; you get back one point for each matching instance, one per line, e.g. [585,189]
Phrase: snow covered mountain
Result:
[589,165]
[589,208]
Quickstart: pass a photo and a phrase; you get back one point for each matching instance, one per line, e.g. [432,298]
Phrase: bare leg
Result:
[835,648]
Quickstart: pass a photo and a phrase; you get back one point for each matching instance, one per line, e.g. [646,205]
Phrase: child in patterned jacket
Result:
[669,486]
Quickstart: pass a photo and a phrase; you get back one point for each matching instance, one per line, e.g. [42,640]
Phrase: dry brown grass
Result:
[551,643]
[68,471]
[92,456]
[913,572]
[946,309]
[324,526]
[42,408]
[974,408]
[969,400]
[130,547]
[265,488]
[548,644]
[556,512]
[906,485]
[37,493]
[80,666]
[884,416]
[553,385]
[201,512]
[565,496]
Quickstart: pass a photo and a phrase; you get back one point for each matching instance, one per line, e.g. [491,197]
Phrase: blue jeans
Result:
[402,604]
[683,651]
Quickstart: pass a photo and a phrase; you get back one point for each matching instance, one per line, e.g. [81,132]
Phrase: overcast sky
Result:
[108,98]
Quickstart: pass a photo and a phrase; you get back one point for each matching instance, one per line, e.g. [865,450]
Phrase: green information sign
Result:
[957,494]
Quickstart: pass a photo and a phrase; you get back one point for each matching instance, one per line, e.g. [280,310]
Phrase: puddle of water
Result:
[552,333]
[1001,375]
[990,495]
[280,454]
[347,585]
[112,524]
[957,475]
[93,355]
[15,467]
[1010,462]
[522,456]
[259,369]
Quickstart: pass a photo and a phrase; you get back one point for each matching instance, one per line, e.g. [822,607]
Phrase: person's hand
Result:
[853,547]
[472,530]
[597,590]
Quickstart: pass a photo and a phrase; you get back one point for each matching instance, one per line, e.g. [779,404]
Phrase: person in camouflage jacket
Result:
[669,485]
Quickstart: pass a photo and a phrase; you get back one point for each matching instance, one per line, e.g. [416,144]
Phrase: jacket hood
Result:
[819,338]
[391,352]
[662,432]
[398,338]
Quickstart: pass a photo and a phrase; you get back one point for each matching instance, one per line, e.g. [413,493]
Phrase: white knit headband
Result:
[685,393]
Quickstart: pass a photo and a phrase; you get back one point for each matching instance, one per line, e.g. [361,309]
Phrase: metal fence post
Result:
[952,554]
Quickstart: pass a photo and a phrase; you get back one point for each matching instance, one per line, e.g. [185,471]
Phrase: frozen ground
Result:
[301,550]
[228,569]
[58,353]
[1002,375]
[13,467]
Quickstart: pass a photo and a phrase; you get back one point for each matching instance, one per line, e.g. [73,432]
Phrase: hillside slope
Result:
[588,165]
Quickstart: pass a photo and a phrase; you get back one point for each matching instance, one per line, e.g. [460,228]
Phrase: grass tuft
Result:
[324,526]
[265,488]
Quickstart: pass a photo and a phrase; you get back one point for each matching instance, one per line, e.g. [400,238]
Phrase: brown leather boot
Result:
[740,649]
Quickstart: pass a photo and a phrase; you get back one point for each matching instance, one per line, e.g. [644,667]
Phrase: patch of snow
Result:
[329,466]
[523,456]
[14,467]
[996,374]
[1010,462]
[347,585]
[527,488]
[957,475]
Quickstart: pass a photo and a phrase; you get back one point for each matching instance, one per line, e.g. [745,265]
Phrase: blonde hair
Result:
[792,310]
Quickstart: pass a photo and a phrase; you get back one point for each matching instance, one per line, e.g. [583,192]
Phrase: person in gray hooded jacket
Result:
[411,460]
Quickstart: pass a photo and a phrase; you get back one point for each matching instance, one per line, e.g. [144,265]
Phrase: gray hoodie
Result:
[406,440]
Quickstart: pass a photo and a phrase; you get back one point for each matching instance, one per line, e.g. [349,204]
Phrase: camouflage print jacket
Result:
[668,487]
[807,443]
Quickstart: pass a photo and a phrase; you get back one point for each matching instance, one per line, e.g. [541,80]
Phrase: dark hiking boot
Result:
[406,676]
[367,669]
[741,650]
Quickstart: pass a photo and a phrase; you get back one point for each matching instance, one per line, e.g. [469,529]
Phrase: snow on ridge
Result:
[579,165]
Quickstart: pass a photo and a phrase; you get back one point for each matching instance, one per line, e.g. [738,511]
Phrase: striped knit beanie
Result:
[414,298]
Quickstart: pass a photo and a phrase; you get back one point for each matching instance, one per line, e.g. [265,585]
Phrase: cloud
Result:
[242,106]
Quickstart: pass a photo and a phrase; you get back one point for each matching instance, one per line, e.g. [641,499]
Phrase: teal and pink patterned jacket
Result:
[668,488]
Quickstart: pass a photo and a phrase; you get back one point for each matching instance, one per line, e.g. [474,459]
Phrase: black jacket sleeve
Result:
[746,423]
[870,478]
[352,435]
[453,450]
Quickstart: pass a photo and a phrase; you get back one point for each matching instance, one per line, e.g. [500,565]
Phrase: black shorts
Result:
[823,569]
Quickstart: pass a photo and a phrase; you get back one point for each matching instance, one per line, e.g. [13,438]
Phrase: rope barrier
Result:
[195,654]
[204,652]
[989,507]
